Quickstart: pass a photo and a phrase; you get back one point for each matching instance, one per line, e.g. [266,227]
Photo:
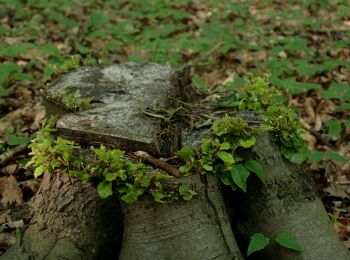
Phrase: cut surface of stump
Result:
[115,117]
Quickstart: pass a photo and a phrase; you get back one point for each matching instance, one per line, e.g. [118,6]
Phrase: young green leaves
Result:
[287,240]
[259,241]
[111,169]
[218,155]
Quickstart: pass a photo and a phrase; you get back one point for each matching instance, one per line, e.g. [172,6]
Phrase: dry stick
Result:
[6,156]
[160,164]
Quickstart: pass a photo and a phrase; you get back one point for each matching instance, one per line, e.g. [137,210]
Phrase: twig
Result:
[6,156]
[160,164]
[154,115]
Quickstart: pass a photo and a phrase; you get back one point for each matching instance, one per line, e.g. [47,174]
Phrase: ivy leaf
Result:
[287,240]
[257,242]
[226,157]
[105,189]
[255,167]
[239,175]
[248,142]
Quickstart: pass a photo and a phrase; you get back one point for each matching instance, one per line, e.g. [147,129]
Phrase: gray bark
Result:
[288,202]
[69,221]
[198,229]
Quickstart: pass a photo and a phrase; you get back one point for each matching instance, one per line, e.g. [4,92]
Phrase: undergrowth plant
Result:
[114,172]
[219,156]
[277,117]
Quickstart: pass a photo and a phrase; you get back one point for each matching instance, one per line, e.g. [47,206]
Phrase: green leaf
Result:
[226,157]
[255,167]
[186,154]
[6,70]
[334,127]
[132,194]
[337,157]
[186,193]
[199,82]
[13,139]
[111,176]
[105,189]
[337,91]
[3,227]
[345,105]
[207,167]
[225,146]
[205,146]
[239,175]
[287,240]
[3,92]
[185,168]
[316,157]
[248,142]
[298,158]
[158,196]
[39,171]
[18,233]
[265,127]
[347,124]
[257,242]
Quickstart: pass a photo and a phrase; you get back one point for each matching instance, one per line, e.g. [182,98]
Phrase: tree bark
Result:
[69,221]
[197,229]
[288,202]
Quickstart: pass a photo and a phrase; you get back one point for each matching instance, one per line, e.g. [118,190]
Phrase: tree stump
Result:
[199,229]
[70,222]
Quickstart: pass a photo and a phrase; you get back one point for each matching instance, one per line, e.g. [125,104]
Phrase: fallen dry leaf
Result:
[32,185]
[7,240]
[9,169]
[308,107]
[310,139]
[5,216]
[15,224]
[10,191]
[338,191]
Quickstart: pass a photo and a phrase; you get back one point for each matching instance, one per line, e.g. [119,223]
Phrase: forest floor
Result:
[303,45]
